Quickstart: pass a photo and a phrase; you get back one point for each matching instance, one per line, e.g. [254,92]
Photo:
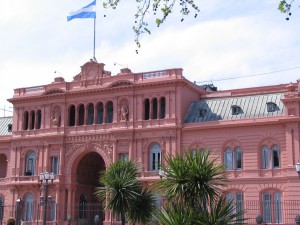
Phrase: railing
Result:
[283,212]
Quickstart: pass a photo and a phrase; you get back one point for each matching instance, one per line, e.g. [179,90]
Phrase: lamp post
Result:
[46,177]
[97,219]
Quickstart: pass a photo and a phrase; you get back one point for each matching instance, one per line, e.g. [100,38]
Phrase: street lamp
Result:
[97,219]
[46,177]
[298,167]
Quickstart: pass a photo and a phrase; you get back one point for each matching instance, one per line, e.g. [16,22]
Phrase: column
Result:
[61,159]
[151,109]
[115,156]
[86,109]
[95,114]
[46,158]
[131,150]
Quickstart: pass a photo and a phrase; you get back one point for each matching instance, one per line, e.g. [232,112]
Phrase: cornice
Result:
[238,123]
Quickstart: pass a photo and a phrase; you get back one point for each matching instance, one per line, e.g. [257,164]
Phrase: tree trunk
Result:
[123,221]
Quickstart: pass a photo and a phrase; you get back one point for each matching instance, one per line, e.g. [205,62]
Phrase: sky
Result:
[232,44]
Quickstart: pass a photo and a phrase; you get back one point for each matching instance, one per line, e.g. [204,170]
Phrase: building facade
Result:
[77,129]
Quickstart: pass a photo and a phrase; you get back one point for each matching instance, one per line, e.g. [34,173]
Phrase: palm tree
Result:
[120,187]
[192,184]
[143,208]
[122,192]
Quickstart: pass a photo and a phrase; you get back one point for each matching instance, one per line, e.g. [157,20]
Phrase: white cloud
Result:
[227,39]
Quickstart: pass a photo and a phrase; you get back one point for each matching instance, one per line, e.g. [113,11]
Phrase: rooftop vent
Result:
[9,127]
[235,110]
[201,112]
[272,107]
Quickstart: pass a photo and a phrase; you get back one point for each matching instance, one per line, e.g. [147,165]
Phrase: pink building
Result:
[76,129]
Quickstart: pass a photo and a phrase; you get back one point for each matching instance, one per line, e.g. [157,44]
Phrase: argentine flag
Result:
[88,11]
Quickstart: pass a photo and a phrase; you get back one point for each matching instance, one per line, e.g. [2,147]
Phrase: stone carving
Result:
[55,116]
[124,113]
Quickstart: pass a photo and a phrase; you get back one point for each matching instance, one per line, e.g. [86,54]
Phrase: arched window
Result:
[270,157]
[154,108]
[146,109]
[233,159]
[3,165]
[29,208]
[32,120]
[82,207]
[162,108]
[30,163]
[90,119]
[109,112]
[271,207]
[39,119]
[52,205]
[81,115]
[26,120]
[72,115]
[100,113]
[155,157]
[237,200]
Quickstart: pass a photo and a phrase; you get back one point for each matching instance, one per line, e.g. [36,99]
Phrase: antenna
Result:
[5,110]
[121,65]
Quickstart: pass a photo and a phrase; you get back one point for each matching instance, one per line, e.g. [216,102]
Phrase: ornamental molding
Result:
[75,151]
[94,137]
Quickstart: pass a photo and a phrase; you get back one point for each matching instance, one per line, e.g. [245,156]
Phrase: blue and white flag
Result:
[88,11]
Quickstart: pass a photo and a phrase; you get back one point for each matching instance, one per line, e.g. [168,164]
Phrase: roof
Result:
[222,108]
[4,122]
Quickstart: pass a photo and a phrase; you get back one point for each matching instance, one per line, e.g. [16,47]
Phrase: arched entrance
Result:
[88,173]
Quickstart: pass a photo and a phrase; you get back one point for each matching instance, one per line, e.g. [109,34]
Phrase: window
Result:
[32,120]
[100,113]
[162,108]
[39,119]
[1,208]
[271,206]
[155,157]
[146,109]
[109,112]
[30,164]
[72,115]
[81,115]
[29,208]
[271,107]
[195,150]
[154,108]
[233,159]
[270,157]
[54,164]
[26,122]
[52,204]
[235,110]
[237,201]
[124,157]
[90,119]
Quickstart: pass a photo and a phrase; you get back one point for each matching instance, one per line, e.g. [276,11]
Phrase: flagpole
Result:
[94,39]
